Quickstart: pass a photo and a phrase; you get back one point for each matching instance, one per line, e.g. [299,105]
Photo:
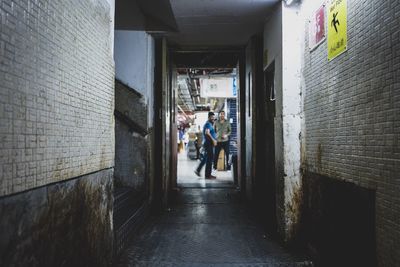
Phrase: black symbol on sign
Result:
[335,21]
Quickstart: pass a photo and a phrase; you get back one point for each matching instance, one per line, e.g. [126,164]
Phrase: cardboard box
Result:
[221,161]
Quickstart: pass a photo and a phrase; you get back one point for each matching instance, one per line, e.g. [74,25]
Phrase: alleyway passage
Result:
[206,227]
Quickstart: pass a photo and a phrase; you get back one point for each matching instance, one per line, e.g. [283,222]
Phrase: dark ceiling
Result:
[206,59]
[196,23]
[221,23]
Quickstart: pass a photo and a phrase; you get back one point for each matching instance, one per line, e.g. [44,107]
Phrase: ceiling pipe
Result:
[183,89]
[197,90]
[181,109]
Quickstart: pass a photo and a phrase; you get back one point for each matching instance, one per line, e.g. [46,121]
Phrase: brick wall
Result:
[56,91]
[352,107]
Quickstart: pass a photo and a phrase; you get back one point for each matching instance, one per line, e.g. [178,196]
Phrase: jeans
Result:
[225,146]
[207,160]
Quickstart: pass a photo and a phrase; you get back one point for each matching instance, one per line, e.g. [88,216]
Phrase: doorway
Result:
[268,121]
[200,91]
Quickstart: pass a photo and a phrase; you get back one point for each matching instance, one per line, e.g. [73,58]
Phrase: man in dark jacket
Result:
[209,141]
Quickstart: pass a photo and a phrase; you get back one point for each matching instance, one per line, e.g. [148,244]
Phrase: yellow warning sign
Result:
[337,28]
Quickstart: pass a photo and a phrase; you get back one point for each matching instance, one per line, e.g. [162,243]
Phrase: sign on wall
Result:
[234,92]
[317,28]
[337,28]
[218,87]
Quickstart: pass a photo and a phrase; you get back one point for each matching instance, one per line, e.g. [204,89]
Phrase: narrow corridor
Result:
[206,227]
[107,108]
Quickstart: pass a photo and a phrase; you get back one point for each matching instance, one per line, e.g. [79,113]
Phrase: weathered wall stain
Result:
[293,212]
[131,138]
[64,224]
[131,157]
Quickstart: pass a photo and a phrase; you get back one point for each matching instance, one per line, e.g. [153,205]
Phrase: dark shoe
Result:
[197,173]
[211,177]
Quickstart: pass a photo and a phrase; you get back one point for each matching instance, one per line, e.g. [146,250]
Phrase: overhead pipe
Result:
[184,113]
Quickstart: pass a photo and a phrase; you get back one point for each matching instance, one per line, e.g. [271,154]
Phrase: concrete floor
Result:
[206,226]
[187,178]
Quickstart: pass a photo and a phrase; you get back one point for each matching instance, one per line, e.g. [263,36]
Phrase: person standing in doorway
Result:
[180,143]
[224,130]
[185,139]
[199,142]
[209,141]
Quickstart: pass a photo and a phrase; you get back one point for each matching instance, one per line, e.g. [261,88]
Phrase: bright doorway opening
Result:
[201,91]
